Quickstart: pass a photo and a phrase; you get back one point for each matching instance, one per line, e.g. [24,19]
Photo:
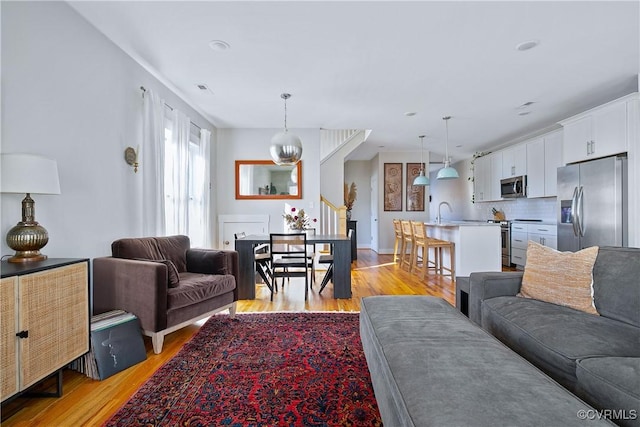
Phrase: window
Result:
[185,183]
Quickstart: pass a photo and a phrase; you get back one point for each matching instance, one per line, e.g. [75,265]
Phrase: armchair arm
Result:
[213,261]
[485,285]
[139,287]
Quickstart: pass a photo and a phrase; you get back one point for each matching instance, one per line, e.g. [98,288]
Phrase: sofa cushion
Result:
[173,277]
[563,278]
[174,248]
[553,337]
[612,383]
[195,287]
[616,284]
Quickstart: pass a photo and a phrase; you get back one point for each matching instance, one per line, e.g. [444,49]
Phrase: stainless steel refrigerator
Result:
[592,205]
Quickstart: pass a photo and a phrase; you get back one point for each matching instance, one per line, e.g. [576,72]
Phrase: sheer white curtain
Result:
[204,188]
[176,174]
[152,165]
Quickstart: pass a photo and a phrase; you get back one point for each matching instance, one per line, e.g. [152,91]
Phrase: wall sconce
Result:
[131,157]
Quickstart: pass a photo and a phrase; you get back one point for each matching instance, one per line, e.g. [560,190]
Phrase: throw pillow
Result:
[563,278]
[173,276]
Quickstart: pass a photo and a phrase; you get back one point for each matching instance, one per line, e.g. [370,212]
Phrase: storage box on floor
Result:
[116,344]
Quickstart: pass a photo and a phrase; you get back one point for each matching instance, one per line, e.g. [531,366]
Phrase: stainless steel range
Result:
[505,232]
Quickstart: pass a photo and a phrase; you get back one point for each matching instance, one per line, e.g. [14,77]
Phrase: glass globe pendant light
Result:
[286,147]
[421,179]
[447,172]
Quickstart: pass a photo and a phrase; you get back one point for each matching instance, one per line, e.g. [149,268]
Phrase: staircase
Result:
[333,219]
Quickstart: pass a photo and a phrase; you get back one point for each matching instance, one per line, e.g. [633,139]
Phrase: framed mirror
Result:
[263,179]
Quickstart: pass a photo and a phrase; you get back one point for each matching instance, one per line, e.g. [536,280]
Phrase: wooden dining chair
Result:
[406,255]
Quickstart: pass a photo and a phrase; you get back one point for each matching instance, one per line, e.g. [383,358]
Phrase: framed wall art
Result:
[415,193]
[393,187]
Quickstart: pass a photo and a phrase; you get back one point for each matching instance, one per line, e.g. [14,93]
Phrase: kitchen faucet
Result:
[439,218]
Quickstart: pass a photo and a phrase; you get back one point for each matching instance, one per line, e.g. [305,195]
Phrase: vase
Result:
[348,214]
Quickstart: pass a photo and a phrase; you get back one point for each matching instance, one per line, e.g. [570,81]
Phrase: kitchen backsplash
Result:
[542,208]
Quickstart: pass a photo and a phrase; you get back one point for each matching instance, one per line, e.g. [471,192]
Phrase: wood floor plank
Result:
[87,402]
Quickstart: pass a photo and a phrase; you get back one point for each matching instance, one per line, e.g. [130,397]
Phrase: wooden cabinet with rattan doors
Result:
[44,321]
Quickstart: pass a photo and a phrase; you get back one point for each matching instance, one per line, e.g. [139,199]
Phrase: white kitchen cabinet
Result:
[514,161]
[599,132]
[522,233]
[496,174]
[535,168]
[482,178]
[553,143]
[487,171]
[544,156]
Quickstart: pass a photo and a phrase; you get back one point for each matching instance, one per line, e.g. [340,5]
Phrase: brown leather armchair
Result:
[165,283]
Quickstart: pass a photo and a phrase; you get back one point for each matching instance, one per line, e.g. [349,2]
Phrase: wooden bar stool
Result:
[406,256]
[438,245]
[420,258]
[399,240]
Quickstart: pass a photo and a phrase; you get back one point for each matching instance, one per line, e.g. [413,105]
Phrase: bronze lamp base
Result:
[27,237]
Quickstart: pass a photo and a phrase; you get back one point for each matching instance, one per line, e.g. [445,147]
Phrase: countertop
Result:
[462,224]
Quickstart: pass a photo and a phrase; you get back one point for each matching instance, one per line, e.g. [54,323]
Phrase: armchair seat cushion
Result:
[196,287]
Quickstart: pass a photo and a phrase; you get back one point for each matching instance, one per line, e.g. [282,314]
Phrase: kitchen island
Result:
[478,245]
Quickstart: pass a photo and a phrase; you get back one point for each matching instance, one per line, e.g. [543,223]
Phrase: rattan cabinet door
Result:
[8,347]
[54,310]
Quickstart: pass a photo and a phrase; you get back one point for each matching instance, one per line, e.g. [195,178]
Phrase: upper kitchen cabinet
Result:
[514,161]
[544,156]
[486,172]
[599,132]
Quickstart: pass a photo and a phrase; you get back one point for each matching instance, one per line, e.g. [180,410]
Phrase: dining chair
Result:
[263,262]
[289,258]
[328,259]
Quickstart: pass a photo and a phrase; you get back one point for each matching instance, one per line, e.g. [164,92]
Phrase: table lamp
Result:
[28,173]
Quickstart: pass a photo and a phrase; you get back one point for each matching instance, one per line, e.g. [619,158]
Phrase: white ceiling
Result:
[364,64]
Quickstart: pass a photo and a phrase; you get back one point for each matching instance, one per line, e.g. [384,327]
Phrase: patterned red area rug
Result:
[277,369]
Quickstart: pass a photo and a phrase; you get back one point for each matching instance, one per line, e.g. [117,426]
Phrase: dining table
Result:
[341,247]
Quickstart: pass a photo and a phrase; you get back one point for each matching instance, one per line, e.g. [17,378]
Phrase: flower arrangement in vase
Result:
[298,219]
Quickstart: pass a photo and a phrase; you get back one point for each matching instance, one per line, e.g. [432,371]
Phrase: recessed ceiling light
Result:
[459,146]
[410,113]
[219,45]
[529,44]
[526,104]
[524,113]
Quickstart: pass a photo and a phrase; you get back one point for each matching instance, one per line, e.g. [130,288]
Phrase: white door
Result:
[374,212]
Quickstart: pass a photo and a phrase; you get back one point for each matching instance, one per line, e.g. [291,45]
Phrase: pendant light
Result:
[286,147]
[447,172]
[421,179]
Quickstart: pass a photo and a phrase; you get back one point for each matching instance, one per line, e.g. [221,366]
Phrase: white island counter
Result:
[478,245]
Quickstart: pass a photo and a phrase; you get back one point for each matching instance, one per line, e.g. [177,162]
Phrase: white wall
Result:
[70,94]
[360,172]
[253,144]
[385,219]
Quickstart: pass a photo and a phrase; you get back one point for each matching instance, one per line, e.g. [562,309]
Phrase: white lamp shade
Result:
[28,173]
[286,148]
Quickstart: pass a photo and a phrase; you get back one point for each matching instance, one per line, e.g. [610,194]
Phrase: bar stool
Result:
[399,241]
[406,256]
[420,259]
[438,246]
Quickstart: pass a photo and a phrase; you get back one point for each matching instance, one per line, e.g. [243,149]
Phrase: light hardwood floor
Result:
[87,402]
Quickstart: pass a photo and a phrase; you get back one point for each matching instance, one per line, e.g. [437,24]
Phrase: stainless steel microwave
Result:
[511,188]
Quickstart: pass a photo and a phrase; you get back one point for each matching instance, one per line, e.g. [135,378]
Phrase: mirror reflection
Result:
[263,179]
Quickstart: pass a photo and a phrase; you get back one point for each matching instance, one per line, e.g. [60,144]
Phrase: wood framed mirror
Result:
[263,179]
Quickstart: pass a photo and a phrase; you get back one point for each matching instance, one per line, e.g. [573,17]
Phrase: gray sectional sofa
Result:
[595,357]
[431,366]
